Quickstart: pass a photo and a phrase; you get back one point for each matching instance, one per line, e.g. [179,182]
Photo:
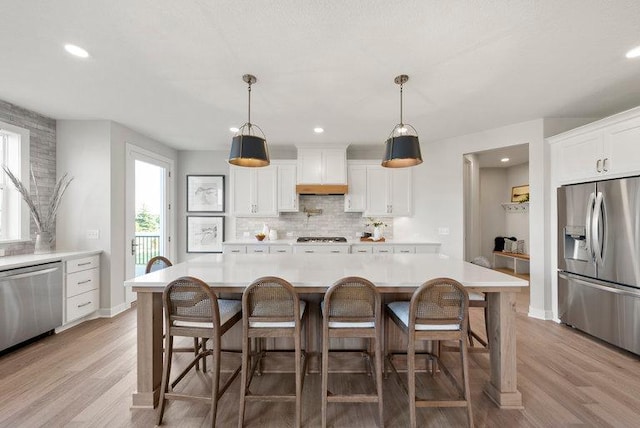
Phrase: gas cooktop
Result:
[322,239]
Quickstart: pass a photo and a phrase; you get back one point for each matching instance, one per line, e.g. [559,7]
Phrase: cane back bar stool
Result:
[352,309]
[439,310]
[158,263]
[479,300]
[271,308]
[193,310]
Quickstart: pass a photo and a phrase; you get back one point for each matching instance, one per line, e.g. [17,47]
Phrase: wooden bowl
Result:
[260,237]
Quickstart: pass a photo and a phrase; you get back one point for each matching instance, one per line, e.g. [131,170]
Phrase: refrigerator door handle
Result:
[588,222]
[617,289]
[595,228]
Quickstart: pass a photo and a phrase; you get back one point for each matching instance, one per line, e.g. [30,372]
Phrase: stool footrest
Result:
[353,398]
[270,397]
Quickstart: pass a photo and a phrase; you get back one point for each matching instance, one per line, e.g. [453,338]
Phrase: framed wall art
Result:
[520,193]
[205,234]
[205,193]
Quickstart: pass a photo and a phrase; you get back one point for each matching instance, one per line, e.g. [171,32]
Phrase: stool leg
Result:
[411,380]
[196,350]
[379,361]
[299,374]
[166,371]
[325,373]
[465,378]
[246,350]
[215,377]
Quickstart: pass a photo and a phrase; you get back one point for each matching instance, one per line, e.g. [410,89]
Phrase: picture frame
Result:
[520,193]
[205,234]
[205,193]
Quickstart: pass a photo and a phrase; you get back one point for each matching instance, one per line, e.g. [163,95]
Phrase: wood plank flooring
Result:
[84,377]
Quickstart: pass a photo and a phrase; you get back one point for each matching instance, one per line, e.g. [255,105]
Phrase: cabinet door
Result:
[241,191]
[622,148]
[309,166]
[377,191]
[334,163]
[257,249]
[401,191]
[356,199]
[287,196]
[265,192]
[581,157]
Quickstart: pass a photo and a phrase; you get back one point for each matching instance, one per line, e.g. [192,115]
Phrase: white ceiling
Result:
[517,155]
[172,69]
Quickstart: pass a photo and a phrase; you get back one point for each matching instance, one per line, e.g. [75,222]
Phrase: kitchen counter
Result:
[395,275]
[13,262]
[253,241]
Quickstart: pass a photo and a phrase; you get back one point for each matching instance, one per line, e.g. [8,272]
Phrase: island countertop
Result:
[315,272]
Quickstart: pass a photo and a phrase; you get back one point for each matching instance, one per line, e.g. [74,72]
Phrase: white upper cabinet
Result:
[254,191]
[608,148]
[287,196]
[389,191]
[322,166]
[356,199]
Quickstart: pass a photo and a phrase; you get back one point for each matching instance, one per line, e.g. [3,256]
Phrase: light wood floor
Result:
[84,377]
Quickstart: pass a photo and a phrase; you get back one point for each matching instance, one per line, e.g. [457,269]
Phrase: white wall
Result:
[493,192]
[93,152]
[199,162]
[517,222]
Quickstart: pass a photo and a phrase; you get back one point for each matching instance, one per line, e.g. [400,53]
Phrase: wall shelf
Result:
[516,206]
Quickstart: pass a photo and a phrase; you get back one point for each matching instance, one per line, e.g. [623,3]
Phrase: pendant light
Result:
[402,148]
[249,145]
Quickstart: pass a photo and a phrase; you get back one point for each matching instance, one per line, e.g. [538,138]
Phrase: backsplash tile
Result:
[332,222]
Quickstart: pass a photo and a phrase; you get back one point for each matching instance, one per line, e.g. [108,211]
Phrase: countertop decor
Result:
[44,217]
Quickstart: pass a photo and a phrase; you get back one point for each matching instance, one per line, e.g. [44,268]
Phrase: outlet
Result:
[246,234]
[443,231]
[93,234]
[289,234]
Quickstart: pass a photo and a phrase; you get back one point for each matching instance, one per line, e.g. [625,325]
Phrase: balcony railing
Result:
[147,246]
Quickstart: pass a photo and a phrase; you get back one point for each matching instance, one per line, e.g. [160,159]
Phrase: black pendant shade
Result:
[402,148]
[402,151]
[249,150]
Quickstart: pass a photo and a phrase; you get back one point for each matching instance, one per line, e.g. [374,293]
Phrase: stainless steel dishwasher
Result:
[30,302]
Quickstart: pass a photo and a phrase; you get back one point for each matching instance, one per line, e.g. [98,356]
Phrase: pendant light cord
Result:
[249,108]
[401,124]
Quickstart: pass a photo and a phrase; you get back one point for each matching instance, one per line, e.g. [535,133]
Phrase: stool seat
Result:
[260,309]
[228,309]
[476,295]
[401,311]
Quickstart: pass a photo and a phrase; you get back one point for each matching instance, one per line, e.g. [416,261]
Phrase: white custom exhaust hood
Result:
[322,171]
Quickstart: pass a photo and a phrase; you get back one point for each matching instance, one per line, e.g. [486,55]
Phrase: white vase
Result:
[43,243]
[377,233]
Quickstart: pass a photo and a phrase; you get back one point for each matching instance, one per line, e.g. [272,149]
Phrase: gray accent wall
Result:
[42,155]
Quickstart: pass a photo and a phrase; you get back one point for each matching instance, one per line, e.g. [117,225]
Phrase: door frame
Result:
[134,153]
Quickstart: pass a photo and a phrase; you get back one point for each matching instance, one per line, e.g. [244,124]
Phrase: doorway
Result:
[148,211]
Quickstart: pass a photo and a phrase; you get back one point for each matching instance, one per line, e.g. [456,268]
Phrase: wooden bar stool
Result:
[158,263]
[439,310]
[193,310]
[271,308]
[479,300]
[352,309]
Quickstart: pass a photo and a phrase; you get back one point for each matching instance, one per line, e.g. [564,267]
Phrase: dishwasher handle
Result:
[29,271]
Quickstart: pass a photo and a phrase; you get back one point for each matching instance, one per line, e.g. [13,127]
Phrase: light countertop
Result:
[253,241]
[13,262]
[313,272]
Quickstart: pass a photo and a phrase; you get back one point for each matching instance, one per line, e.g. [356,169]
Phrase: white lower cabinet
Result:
[362,249]
[234,249]
[321,249]
[82,284]
[282,249]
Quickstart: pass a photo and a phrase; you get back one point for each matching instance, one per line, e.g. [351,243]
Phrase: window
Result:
[14,153]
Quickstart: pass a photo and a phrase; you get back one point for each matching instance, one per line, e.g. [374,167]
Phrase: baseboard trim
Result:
[112,312]
[540,314]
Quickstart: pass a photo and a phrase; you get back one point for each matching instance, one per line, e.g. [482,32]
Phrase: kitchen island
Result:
[311,275]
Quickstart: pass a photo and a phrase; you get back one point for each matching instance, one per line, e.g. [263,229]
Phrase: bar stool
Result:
[158,263]
[439,310]
[351,309]
[193,310]
[271,308]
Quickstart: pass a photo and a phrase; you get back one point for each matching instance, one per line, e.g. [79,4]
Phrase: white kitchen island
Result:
[312,274]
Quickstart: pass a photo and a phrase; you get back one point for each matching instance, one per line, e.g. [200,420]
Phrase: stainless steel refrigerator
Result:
[599,259]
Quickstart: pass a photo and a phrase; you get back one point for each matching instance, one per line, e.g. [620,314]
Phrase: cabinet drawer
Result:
[83,304]
[431,249]
[234,249]
[321,249]
[362,249]
[257,249]
[383,249]
[83,281]
[283,249]
[84,263]
[404,249]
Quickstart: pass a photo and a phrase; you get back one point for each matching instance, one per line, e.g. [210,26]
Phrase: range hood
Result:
[321,189]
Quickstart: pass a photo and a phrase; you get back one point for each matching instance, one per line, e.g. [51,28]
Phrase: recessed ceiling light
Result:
[634,53]
[318,130]
[234,129]
[76,51]
[504,160]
